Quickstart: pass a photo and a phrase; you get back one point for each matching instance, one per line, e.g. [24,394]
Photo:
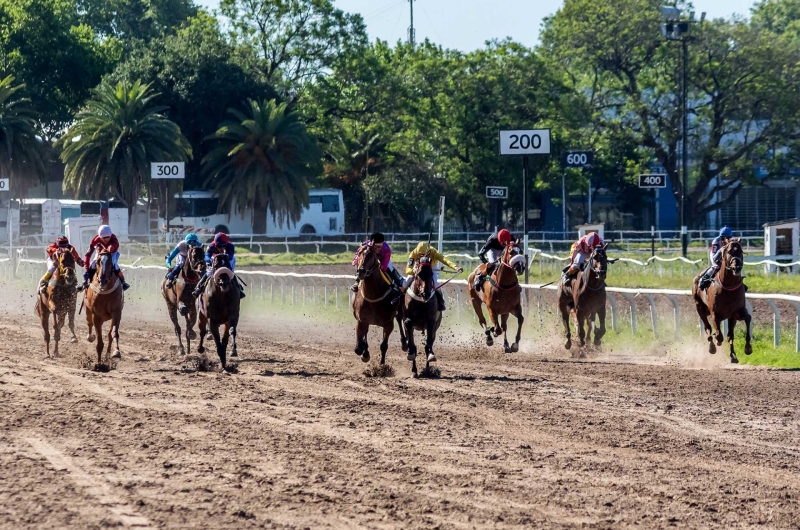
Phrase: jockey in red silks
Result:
[580,252]
[61,245]
[105,239]
[384,255]
[220,245]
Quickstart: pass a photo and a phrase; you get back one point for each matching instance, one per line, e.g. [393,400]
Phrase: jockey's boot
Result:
[200,287]
[43,282]
[397,286]
[479,277]
[121,277]
[354,287]
[86,275]
[440,300]
[170,278]
[241,290]
[705,279]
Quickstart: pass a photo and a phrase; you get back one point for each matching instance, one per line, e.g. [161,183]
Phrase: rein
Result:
[586,276]
[367,274]
[727,266]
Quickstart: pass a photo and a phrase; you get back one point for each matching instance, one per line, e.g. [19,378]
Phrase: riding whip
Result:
[549,284]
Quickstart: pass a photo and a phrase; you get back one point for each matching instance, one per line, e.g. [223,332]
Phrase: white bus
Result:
[197,211]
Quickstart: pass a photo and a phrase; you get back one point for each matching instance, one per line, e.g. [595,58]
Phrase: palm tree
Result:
[23,154]
[115,138]
[264,159]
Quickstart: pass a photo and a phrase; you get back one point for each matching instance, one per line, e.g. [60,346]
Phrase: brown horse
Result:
[585,297]
[422,312]
[372,304]
[59,299]
[219,306]
[179,297]
[502,294]
[104,300]
[724,300]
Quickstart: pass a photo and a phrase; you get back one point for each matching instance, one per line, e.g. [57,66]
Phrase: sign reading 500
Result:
[167,170]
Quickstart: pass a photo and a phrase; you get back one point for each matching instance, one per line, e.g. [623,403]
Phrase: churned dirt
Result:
[302,438]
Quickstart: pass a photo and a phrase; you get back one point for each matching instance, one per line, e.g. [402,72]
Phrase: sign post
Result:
[653,181]
[525,142]
[496,195]
[575,160]
[441,224]
[5,185]
[167,171]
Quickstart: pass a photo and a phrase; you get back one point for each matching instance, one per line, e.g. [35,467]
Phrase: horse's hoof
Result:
[183,310]
[411,356]
[748,349]
[365,357]
[404,346]
[431,358]
[90,338]
[711,348]
[515,347]
[73,340]
[234,354]
[201,349]
[581,343]
[498,332]
[191,334]
[568,344]
[734,360]
[182,351]
[507,348]
[116,355]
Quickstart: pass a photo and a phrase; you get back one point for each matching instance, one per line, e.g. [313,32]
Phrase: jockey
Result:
[61,244]
[715,256]
[384,254]
[220,245]
[580,251]
[491,253]
[181,251]
[418,253]
[104,239]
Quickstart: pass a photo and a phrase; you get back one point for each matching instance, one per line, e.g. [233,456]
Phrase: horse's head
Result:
[733,257]
[598,263]
[195,260]
[220,261]
[423,279]
[367,262]
[66,266]
[104,265]
[512,257]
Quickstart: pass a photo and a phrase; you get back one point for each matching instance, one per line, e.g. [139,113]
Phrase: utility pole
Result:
[411,35]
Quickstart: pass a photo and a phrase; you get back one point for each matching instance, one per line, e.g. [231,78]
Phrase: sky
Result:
[466,24]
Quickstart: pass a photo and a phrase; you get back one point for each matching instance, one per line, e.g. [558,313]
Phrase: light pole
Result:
[676,29]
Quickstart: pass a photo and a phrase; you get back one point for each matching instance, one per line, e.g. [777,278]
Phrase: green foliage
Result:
[113,141]
[197,79]
[135,19]
[264,159]
[22,154]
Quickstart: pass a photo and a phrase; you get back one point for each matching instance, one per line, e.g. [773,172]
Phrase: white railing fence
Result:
[332,291]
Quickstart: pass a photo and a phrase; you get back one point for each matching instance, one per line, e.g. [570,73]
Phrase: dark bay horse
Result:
[104,300]
[585,297]
[179,297]
[422,312]
[724,300]
[59,299]
[502,295]
[372,305]
[219,306]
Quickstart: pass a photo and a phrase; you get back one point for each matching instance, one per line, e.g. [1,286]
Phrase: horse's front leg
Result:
[718,329]
[504,324]
[477,306]
[599,333]
[176,326]
[731,326]
[58,323]
[744,315]
[115,321]
[703,312]
[580,321]
[98,330]
[564,310]
[412,347]
[44,317]
[221,353]
[234,322]
[191,321]
[362,347]
[520,320]
[430,331]
[494,318]
[202,323]
[71,315]
[387,332]
[90,324]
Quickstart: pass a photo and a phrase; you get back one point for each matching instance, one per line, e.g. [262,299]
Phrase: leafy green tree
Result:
[50,49]
[197,78]
[115,138]
[264,159]
[292,42]
[742,97]
[23,155]
[136,19]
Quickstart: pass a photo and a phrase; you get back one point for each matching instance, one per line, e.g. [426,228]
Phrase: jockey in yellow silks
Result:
[423,249]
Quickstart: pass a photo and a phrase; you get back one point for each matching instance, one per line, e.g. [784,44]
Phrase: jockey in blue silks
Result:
[715,256]
[181,251]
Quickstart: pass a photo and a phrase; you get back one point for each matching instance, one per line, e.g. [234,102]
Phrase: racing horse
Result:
[179,297]
[422,312]
[372,304]
[104,300]
[502,295]
[219,306]
[59,300]
[724,300]
[585,297]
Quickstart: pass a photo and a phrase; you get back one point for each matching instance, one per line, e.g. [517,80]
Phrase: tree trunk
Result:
[259,219]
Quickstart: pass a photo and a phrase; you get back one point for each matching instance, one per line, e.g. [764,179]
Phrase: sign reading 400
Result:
[653,180]
[167,170]
[534,142]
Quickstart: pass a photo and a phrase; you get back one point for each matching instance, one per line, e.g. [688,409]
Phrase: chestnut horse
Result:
[585,297]
[179,297]
[422,312]
[59,299]
[724,300]
[219,306]
[104,300]
[372,304]
[502,295]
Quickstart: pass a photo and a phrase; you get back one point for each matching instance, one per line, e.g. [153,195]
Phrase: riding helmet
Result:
[726,232]
[221,239]
[504,236]
[593,240]
[377,237]
[62,241]
[192,239]
[104,231]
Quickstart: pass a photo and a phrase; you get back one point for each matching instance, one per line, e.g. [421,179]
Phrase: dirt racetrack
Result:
[300,438]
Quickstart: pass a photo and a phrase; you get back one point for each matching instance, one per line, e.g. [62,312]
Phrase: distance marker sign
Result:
[533,142]
[167,170]
[653,180]
[4,185]
[578,159]
[496,192]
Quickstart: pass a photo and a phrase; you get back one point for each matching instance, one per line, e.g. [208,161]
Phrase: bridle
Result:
[599,273]
[364,273]
[424,262]
[734,265]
